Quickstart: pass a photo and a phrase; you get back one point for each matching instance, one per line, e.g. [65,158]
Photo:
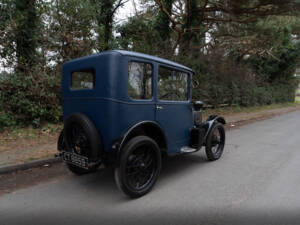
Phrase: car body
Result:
[124,95]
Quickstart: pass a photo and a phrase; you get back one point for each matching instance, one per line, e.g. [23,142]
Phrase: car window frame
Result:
[152,83]
[188,84]
[83,70]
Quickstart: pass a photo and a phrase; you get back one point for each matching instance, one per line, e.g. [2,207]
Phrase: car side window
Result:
[140,76]
[172,84]
[81,80]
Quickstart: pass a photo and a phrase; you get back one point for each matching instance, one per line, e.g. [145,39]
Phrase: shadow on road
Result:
[173,169]
[150,217]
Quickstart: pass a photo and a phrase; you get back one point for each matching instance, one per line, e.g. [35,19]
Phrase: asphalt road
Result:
[257,181]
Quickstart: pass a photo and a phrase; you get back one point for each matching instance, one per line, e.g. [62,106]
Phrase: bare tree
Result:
[205,16]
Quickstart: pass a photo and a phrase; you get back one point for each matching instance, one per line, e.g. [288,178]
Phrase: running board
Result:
[187,149]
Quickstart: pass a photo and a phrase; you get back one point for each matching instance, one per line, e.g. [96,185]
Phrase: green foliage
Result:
[103,11]
[137,35]
[29,99]
[222,80]
[235,94]
[282,60]
[36,37]
[162,22]
[142,34]
[6,120]
[7,25]
[26,18]
[71,29]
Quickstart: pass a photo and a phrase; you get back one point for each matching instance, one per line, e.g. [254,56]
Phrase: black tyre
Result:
[215,142]
[82,138]
[61,142]
[139,167]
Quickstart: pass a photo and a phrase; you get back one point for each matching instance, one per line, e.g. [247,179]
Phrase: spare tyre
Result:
[61,142]
[81,137]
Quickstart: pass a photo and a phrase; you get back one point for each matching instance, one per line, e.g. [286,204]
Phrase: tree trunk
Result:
[27,23]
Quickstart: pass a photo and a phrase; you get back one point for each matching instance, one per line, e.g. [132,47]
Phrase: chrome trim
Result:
[187,149]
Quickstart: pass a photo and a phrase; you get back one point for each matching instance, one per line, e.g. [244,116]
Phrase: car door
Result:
[173,106]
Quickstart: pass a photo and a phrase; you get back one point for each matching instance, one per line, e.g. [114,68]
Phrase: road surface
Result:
[257,181]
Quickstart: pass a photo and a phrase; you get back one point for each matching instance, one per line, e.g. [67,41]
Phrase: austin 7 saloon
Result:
[126,110]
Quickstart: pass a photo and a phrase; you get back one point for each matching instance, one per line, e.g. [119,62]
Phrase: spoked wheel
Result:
[82,138]
[215,142]
[139,168]
[78,140]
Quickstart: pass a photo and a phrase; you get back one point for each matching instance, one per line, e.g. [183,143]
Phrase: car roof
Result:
[153,58]
[134,54]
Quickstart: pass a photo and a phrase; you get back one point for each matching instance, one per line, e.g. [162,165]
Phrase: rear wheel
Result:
[81,137]
[215,142]
[139,167]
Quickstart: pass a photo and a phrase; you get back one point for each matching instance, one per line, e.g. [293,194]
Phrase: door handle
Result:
[159,107]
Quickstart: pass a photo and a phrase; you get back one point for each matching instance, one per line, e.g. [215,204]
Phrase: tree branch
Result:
[172,20]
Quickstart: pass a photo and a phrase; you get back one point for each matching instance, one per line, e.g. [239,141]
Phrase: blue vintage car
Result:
[126,109]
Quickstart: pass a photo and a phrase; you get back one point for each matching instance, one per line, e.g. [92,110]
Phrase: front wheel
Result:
[215,142]
[139,167]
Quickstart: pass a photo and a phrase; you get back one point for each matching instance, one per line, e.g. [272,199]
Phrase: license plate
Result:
[75,159]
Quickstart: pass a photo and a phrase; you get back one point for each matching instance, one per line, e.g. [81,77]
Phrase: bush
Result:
[264,96]
[29,99]
[248,95]
[6,120]
[220,79]
[235,94]
[284,92]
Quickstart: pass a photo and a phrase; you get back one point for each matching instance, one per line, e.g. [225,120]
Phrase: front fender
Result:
[214,118]
[210,122]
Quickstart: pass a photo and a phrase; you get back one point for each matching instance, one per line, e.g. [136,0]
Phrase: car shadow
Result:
[173,168]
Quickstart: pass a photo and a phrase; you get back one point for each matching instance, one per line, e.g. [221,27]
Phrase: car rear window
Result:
[140,76]
[82,80]
[172,84]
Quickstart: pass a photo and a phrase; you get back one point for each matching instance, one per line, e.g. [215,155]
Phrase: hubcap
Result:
[140,167]
[78,140]
[216,141]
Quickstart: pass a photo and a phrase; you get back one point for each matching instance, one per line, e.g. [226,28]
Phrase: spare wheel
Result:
[81,137]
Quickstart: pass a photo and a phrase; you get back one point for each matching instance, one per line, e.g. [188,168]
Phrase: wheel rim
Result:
[140,167]
[217,141]
[78,140]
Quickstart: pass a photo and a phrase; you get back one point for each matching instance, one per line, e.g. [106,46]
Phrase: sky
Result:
[126,11]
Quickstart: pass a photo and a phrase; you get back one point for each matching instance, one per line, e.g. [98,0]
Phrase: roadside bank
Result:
[28,148]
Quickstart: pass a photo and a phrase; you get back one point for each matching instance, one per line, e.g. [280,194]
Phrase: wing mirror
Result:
[198,105]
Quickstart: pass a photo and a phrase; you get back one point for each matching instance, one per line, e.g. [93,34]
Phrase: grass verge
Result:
[28,136]
[239,109]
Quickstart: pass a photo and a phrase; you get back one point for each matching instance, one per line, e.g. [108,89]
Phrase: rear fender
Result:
[147,128]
